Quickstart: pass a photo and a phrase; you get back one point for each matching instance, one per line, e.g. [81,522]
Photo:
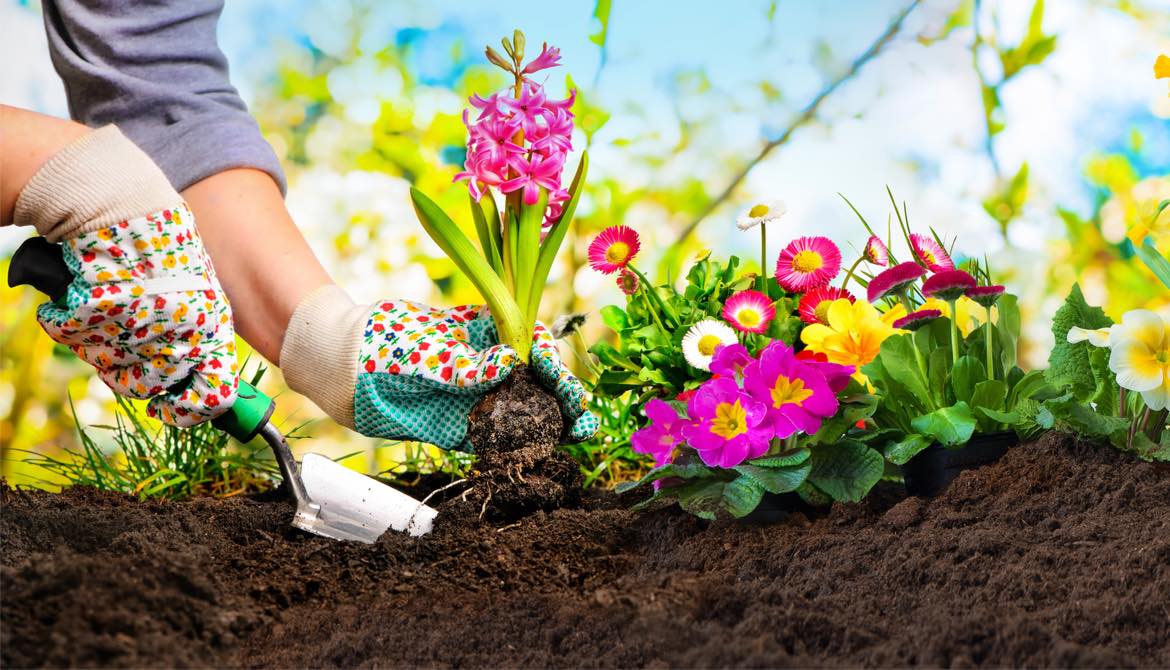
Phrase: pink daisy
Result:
[931,253]
[916,320]
[876,252]
[815,303]
[613,249]
[985,295]
[627,281]
[894,280]
[808,263]
[948,285]
[749,311]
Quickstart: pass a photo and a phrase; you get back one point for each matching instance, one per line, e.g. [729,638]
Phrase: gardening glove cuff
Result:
[98,181]
[319,356]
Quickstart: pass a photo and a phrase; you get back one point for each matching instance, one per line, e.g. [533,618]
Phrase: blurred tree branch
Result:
[806,115]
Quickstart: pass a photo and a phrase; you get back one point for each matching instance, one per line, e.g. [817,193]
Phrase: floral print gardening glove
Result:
[416,371]
[144,307]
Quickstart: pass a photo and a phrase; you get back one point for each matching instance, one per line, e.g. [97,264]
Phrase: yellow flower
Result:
[432,361]
[1140,356]
[125,274]
[853,335]
[141,244]
[971,315]
[137,291]
[105,234]
[104,276]
[168,261]
[1162,67]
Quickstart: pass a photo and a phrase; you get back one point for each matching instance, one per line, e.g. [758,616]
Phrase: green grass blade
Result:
[552,241]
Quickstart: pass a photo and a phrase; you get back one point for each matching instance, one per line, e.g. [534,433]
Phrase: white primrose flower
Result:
[761,211]
[701,340]
[1098,337]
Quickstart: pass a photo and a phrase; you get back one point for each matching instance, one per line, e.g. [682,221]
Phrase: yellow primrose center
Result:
[749,317]
[707,344]
[807,261]
[789,392]
[730,420]
[617,252]
[759,210]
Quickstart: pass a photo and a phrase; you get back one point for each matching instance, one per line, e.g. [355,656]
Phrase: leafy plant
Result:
[1091,399]
[517,146]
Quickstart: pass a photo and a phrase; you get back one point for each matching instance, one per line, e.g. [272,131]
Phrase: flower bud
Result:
[518,43]
[496,59]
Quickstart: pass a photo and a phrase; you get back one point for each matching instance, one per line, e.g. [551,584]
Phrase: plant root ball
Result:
[515,430]
[516,414]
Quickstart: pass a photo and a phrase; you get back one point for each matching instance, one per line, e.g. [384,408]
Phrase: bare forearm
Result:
[263,262]
[27,140]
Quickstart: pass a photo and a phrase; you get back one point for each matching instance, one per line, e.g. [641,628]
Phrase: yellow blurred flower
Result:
[971,315]
[853,335]
[1162,67]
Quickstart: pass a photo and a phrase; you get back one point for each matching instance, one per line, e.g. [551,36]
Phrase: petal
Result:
[1159,398]
[1135,365]
[1144,326]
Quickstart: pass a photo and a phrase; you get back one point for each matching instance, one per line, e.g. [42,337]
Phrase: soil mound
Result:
[1058,555]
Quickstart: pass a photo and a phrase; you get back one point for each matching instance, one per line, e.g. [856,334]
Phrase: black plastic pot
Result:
[775,507]
[932,469]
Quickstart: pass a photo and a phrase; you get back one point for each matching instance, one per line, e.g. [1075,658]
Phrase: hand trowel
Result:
[331,500]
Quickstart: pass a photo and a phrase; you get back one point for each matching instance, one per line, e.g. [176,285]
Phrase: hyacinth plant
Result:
[517,145]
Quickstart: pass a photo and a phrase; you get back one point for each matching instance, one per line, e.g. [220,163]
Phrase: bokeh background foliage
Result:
[1034,133]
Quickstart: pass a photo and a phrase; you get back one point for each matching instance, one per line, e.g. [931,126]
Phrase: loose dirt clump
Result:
[1056,556]
[515,430]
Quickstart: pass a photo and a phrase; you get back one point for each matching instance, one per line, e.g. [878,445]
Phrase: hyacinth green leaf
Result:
[1068,363]
[845,471]
[488,240]
[901,451]
[742,495]
[505,311]
[783,460]
[776,480]
[949,426]
[967,372]
[556,235]
[528,292]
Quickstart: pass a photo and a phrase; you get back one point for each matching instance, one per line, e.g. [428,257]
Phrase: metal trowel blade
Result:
[347,505]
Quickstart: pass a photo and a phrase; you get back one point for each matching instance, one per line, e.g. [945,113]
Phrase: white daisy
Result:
[699,343]
[761,211]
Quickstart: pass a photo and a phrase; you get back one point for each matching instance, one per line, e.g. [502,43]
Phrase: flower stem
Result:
[954,332]
[657,299]
[849,275]
[764,258]
[990,348]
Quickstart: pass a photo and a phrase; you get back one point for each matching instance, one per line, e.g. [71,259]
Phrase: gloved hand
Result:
[144,308]
[401,370]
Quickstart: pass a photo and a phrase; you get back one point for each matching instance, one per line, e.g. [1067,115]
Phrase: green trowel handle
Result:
[251,411]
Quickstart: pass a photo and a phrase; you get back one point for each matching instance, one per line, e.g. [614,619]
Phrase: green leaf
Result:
[1007,330]
[1068,363]
[776,480]
[694,470]
[555,236]
[703,498]
[1009,418]
[1153,259]
[988,394]
[900,366]
[611,357]
[845,471]
[967,372]
[741,496]
[614,318]
[601,14]
[488,231]
[900,452]
[783,460]
[1026,387]
[949,426]
[505,311]
[813,496]
[939,365]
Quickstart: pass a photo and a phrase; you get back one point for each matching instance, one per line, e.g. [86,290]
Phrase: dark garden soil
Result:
[1058,555]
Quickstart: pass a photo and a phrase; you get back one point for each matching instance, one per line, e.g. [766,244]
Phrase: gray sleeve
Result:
[155,70]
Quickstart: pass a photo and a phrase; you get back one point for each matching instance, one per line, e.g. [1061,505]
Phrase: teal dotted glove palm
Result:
[419,370]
